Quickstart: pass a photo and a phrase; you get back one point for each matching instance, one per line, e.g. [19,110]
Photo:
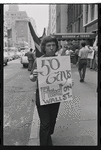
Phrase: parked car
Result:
[24,61]
[18,54]
[9,57]
[12,55]
[5,60]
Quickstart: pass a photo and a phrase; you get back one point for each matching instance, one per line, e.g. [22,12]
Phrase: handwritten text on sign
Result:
[54,80]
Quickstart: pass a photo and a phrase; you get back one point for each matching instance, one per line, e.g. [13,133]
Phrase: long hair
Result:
[46,40]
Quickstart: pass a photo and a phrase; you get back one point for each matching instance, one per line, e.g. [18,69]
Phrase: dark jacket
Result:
[30,55]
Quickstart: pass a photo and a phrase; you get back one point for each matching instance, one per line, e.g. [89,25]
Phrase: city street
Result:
[76,122]
[18,105]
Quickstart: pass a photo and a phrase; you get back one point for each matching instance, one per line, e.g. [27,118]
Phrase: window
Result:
[76,11]
[73,13]
[92,11]
[81,8]
[87,13]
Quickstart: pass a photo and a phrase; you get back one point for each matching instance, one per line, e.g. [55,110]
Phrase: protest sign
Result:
[91,55]
[54,79]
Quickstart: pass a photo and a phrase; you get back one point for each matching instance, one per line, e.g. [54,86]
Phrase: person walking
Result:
[31,58]
[82,60]
[47,113]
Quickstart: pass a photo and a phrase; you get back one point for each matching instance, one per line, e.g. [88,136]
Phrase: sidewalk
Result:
[77,120]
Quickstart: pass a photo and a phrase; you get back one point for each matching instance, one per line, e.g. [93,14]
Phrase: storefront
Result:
[88,37]
[73,38]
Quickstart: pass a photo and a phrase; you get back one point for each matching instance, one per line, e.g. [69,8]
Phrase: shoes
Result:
[81,80]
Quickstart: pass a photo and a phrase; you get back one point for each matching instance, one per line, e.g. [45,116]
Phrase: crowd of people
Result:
[91,63]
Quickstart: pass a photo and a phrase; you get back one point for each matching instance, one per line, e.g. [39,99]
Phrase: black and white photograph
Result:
[50,74]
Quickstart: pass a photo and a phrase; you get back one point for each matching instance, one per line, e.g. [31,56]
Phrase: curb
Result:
[34,136]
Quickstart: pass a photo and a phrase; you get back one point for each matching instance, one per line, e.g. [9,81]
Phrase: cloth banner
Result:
[54,79]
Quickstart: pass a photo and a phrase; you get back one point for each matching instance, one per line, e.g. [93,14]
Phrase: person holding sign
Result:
[82,60]
[47,113]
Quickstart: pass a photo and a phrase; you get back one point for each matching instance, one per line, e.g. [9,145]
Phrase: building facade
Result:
[75,18]
[61,18]
[11,16]
[18,28]
[21,28]
[90,17]
[72,18]
[5,36]
[52,20]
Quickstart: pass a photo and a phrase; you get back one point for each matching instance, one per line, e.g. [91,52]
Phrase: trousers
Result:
[30,65]
[47,114]
[82,68]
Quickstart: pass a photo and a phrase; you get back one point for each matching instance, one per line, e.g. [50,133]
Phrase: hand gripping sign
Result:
[54,79]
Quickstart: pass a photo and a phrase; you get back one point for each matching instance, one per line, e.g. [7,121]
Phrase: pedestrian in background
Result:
[76,54]
[68,50]
[31,58]
[93,64]
[82,60]
[47,113]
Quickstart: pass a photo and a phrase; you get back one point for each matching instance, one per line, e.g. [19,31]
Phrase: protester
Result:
[31,58]
[93,64]
[47,113]
[82,60]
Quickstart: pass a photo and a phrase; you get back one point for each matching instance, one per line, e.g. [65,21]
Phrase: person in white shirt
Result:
[68,51]
[82,60]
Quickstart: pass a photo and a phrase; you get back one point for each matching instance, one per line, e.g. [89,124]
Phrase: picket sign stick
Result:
[54,79]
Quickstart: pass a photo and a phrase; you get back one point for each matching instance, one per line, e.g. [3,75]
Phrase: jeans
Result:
[82,68]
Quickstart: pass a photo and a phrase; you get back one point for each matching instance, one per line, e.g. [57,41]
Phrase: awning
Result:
[74,36]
